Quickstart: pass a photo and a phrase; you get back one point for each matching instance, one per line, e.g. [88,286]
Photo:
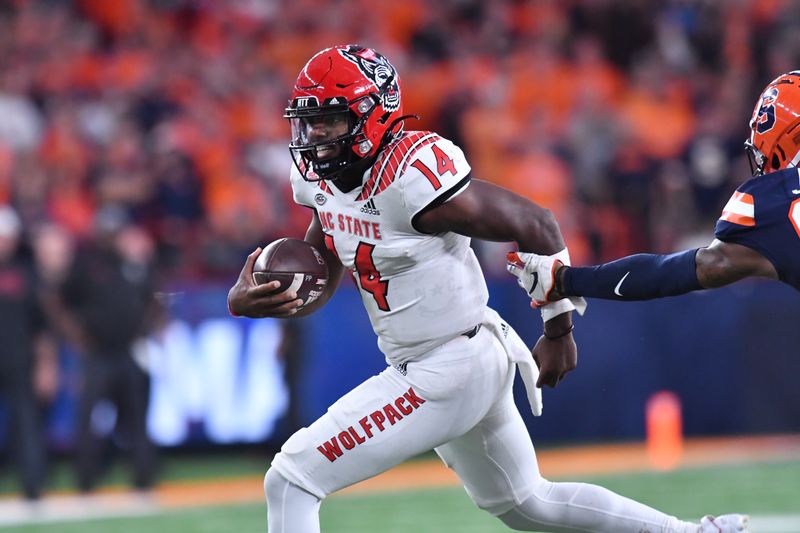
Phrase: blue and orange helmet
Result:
[774,141]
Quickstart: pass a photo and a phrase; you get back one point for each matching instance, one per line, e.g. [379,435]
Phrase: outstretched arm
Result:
[648,276]
[489,212]
[246,298]
[722,263]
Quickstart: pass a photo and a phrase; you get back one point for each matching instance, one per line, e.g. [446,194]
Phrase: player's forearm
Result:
[509,217]
[539,232]
[531,226]
[486,211]
[535,228]
[636,277]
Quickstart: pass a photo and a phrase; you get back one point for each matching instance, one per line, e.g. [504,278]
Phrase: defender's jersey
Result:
[764,214]
[420,290]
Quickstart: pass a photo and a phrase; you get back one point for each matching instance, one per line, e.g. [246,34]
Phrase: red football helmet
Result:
[774,141]
[343,109]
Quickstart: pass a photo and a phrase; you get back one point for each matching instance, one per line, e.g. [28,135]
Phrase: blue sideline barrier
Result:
[731,355]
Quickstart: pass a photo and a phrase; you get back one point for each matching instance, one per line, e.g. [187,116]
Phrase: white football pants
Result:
[457,400]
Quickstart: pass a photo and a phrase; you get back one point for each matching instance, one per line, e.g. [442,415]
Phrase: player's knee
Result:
[274,485]
[530,515]
[277,488]
[512,520]
[522,519]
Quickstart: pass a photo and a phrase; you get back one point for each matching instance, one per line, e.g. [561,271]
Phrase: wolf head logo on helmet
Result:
[378,69]
[774,141]
[345,106]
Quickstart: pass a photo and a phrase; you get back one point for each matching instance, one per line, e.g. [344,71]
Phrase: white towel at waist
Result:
[519,354]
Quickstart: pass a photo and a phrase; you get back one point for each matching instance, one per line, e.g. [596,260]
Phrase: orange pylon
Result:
[664,430]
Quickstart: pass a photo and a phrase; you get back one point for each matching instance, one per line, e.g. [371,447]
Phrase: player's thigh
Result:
[495,460]
[392,417]
[377,425]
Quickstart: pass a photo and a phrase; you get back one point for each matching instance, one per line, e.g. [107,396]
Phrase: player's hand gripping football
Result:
[258,301]
[536,274]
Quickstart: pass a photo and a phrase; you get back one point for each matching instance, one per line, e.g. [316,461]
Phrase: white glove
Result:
[536,274]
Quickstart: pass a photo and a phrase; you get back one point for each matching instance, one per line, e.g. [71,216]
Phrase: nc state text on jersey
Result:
[352,225]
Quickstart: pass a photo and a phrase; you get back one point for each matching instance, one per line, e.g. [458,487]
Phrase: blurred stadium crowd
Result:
[625,117]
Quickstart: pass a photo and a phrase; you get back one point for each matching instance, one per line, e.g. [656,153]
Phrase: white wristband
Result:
[562,256]
[556,308]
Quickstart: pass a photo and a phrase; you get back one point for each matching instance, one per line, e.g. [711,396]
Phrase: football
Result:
[296,264]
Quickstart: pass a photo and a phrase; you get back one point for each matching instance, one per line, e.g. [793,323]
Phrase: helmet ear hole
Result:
[776,163]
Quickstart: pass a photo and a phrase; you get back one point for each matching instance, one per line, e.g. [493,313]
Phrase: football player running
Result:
[757,235]
[397,209]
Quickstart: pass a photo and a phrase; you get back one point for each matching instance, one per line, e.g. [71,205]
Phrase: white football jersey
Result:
[420,290]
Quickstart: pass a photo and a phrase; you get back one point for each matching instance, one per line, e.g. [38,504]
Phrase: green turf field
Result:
[759,489]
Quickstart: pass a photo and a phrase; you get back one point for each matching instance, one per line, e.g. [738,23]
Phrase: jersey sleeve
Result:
[739,223]
[437,172]
[738,215]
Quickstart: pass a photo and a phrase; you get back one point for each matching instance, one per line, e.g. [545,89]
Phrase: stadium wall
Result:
[731,355]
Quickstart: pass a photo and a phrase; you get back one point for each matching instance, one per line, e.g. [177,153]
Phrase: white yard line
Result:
[118,502]
[15,512]
[778,523]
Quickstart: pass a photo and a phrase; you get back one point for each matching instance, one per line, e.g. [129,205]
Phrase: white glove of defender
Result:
[536,274]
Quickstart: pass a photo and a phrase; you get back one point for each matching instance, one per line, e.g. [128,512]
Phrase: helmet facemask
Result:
[327,139]
[346,81]
[757,160]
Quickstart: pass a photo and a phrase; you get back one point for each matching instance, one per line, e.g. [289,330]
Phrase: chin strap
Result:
[389,131]
[352,176]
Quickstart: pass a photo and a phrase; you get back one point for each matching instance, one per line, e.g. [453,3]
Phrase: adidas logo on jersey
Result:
[505,328]
[402,368]
[369,207]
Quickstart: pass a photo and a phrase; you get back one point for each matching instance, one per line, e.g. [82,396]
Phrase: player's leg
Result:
[382,422]
[290,507]
[132,396]
[97,385]
[26,432]
[497,463]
